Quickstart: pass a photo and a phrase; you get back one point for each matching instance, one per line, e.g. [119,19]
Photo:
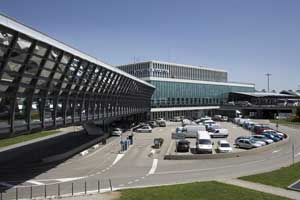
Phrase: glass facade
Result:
[181,86]
[178,94]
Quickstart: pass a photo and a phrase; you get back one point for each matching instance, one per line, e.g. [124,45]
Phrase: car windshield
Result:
[183,142]
[225,145]
[204,141]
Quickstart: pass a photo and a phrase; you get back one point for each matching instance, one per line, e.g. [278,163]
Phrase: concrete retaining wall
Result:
[225,155]
[72,152]
[33,150]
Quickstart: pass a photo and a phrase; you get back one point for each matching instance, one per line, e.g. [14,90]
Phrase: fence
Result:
[56,190]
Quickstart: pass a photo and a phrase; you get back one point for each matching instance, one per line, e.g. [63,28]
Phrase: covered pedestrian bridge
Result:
[46,84]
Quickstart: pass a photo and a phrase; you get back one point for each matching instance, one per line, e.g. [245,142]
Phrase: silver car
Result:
[144,129]
[262,138]
[247,143]
[116,132]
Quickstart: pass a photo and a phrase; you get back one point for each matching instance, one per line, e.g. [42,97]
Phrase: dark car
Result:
[183,146]
[272,137]
[258,129]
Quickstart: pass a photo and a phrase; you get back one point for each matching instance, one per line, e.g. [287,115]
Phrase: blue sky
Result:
[246,38]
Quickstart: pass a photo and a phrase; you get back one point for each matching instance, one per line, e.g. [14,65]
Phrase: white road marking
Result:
[118,158]
[154,166]
[136,180]
[130,182]
[276,151]
[169,148]
[208,169]
[121,185]
[298,154]
[69,179]
[91,154]
[143,177]
[35,182]
[83,153]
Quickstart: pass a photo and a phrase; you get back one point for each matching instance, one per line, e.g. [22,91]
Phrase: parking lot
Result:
[234,132]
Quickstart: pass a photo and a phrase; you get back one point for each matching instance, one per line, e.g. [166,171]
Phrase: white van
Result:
[203,142]
[190,130]
[219,132]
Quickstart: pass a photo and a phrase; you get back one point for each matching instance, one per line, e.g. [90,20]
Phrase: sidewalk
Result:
[263,188]
[102,196]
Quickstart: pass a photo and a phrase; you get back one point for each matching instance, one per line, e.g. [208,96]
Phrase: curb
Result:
[227,155]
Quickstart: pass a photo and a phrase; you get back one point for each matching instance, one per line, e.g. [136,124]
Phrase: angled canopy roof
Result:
[13,24]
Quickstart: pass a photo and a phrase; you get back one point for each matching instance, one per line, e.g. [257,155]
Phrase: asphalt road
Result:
[140,166]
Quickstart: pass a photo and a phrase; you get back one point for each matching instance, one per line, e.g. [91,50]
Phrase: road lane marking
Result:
[298,154]
[208,169]
[130,182]
[276,151]
[69,179]
[118,158]
[154,166]
[35,182]
[121,185]
[169,149]
[136,180]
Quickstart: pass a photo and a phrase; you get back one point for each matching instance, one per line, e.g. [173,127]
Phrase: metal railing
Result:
[56,190]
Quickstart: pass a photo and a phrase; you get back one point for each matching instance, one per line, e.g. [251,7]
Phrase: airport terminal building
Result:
[185,90]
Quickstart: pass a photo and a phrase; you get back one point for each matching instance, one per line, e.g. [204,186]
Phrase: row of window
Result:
[174,93]
[150,69]
[185,102]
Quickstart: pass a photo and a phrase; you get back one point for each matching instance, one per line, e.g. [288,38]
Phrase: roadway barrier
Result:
[72,152]
[33,149]
[171,156]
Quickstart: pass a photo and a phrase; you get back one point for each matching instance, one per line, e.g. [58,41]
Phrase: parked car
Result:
[190,130]
[176,119]
[248,125]
[162,123]
[153,124]
[261,143]
[203,142]
[183,146]
[144,129]
[247,143]
[223,146]
[279,134]
[259,128]
[272,136]
[116,132]
[219,132]
[262,138]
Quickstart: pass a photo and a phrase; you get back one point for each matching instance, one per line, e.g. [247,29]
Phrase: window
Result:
[40,49]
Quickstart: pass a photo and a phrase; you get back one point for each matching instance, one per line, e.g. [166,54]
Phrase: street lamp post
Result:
[268,75]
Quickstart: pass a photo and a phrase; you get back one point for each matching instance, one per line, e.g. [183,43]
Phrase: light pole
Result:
[268,75]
